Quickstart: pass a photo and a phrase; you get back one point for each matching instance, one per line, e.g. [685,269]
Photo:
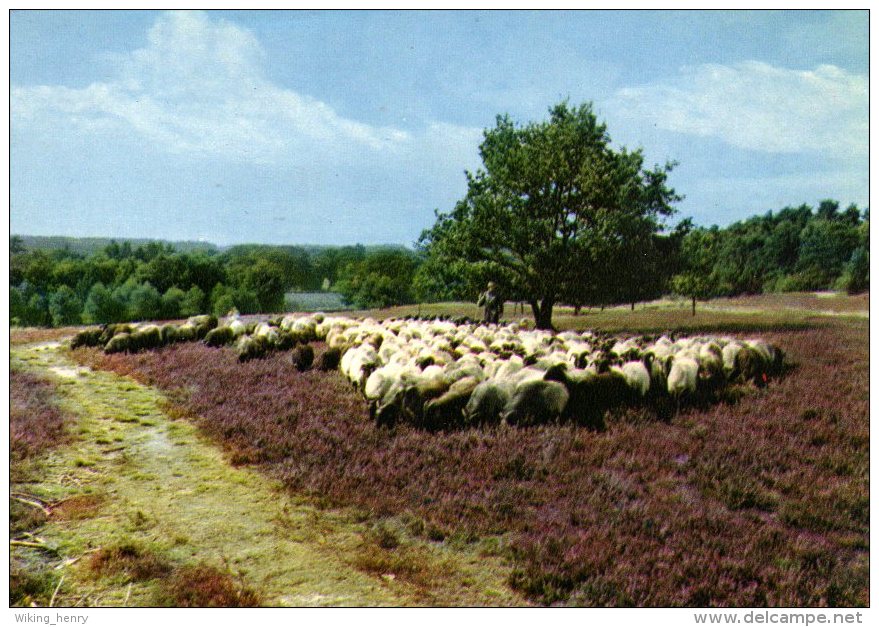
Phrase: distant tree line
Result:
[794,249]
[155,281]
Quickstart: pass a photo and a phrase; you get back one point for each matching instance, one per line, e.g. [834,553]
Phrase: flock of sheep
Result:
[438,374]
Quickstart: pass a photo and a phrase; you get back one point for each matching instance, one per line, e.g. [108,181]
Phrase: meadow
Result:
[761,499]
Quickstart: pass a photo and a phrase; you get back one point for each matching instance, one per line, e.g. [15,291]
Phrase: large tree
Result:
[556,210]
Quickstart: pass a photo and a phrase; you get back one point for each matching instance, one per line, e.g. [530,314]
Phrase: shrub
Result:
[206,586]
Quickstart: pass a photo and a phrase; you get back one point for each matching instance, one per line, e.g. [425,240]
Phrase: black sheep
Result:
[302,357]
[329,359]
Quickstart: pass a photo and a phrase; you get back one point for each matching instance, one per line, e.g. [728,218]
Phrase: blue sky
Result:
[343,127]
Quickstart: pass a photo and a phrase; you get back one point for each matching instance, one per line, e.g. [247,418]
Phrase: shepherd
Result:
[493,303]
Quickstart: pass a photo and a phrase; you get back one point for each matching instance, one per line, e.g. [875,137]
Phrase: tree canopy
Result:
[556,212]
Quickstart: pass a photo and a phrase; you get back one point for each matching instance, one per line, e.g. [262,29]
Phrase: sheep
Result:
[111,330]
[146,337]
[772,356]
[750,365]
[683,376]
[591,395]
[486,402]
[87,337]
[202,323]
[329,359]
[220,336]
[416,394]
[251,347]
[404,400]
[536,402]
[187,333]
[637,374]
[120,342]
[302,357]
[711,372]
[729,353]
[380,381]
[169,334]
[447,410]
[267,332]
[386,411]
[358,363]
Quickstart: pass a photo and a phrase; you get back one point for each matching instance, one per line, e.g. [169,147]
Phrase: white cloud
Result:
[756,106]
[199,86]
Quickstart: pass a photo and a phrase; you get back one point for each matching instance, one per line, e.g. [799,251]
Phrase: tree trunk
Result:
[577,309]
[694,305]
[633,305]
[543,314]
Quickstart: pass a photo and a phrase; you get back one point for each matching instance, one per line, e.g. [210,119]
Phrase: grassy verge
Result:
[145,512]
[751,314]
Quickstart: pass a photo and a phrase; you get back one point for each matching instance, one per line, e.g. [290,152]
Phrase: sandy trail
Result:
[160,483]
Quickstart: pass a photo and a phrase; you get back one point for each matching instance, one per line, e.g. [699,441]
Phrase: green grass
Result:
[754,314]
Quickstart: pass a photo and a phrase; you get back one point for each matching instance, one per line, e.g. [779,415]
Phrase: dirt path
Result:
[157,482]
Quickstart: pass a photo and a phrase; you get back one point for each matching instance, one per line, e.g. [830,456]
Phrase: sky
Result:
[343,127]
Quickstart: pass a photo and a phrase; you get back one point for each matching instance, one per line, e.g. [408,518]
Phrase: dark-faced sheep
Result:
[249,347]
[87,337]
[187,333]
[448,410]
[302,357]
[590,395]
[536,402]
[111,330]
[203,323]
[285,341]
[329,359]
[169,334]
[221,336]
[145,338]
[487,402]
[119,343]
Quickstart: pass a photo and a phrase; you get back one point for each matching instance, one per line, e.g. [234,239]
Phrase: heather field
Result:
[760,499]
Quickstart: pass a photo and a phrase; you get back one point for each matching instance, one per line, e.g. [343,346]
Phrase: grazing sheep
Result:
[637,374]
[250,347]
[387,410]
[749,366]
[729,353]
[416,395]
[145,338]
[302,357]
[772,357]
[329,359]
[591,395]
[169,334]
[447,410]
[683,376]
[487,402]
[87,337]
[221,336]
[404,400]
[111,330]
[536,402]
[285,341]
[202,323]
[119,343]
[187,333]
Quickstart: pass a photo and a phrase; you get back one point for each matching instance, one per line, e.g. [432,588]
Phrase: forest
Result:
[800,248]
